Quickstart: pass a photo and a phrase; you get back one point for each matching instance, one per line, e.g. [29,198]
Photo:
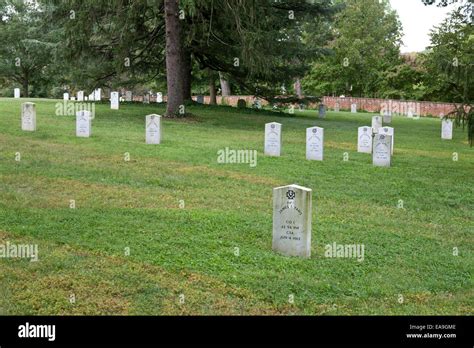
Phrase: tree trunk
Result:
[174,59]
[26,80]
[212,88]
[225,85]
[187,77]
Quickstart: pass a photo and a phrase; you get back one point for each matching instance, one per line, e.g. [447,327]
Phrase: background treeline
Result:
[265,47]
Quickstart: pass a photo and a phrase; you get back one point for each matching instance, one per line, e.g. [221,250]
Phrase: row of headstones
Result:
[84,123]
[115,98]
[376,139]
[292,205]
[96,95]
[381,145]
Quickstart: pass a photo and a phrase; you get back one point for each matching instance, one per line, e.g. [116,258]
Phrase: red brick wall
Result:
[421,108]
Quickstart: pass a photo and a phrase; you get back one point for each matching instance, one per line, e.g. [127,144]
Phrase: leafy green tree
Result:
[367,41]
[26,46]
[257,46]
[450,65]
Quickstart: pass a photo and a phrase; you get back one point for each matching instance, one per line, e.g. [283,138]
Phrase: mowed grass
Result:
[184,260]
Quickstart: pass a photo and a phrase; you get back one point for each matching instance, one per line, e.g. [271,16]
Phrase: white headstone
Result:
[86,98]
[387,117]
[66,96]
[159,97]
[83,124]
[388,131]
[322,111]
[146,98]
[91,96]
[314,143]
[336,107]
[292,210]
[16,93]
[80,96]
[381,156]
[153,129]
[447,129]
[128,96]
[73,98]
[364,139]
[273,139]
[114,100]
[376,123]
[354,108]
[97,94]
[28,117]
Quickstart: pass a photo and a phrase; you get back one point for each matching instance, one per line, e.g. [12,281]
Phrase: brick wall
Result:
[421,108]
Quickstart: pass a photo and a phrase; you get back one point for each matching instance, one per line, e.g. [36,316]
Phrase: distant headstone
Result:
[388,131]
[364,139]
[98,94]
[447,129]
[200,99]
[292,212]
[91,97]
[153,129]
[354,108]
[273,139]
[376,123]
[314,143]
[16,93]
[322,111]
[336,107]
[242,104]
[128,96]
[146,98]
[86,98]
[381,156]
[66,96]
[83,124]
[114,100]
[159,97]
[73,98]
[410,113]
[80,96]
[387,117]
[28,117]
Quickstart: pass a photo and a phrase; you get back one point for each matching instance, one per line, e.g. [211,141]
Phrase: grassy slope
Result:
[190,251]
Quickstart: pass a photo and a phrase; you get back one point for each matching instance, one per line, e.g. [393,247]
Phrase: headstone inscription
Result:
[153,129]
[381,155]
[314,143]
[292,212]
[364,139]
[28,117]
[447,129]
[83,124]
[273,139]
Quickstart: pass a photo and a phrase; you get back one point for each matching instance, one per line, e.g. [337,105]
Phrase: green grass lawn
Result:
[190,250]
